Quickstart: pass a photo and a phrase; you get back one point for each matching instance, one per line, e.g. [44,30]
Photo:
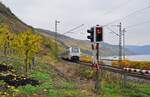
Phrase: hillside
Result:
[106,50]
[17,26]
[8,18]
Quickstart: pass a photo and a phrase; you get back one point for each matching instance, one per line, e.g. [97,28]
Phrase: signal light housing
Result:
[99,34]
[91,36]
[96,34]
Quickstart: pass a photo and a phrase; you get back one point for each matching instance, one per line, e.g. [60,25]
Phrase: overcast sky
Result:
[71,13]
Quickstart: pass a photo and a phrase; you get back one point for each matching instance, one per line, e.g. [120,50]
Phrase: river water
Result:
[133,57]
[139,57]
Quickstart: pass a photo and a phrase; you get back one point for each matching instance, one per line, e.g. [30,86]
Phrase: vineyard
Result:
[21,53]
[24,45]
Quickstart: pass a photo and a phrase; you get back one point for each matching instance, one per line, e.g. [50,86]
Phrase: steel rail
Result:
[117,70]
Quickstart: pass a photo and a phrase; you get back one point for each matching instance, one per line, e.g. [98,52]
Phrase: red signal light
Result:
[99,34]
[98,30]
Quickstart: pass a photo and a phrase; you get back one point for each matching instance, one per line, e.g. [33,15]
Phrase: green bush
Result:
[2,83]
[28,89]
[88,73]
[69,85]
[46,85]
[40,75]
[132,93]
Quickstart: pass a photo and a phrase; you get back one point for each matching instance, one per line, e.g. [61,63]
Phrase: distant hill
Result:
[106,49]
[139,49]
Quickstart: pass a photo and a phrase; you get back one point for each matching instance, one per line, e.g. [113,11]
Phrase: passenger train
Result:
[72,53]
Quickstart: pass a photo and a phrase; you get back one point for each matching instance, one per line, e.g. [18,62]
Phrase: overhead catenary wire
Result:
[112,31]
[70,31]
[138,24]
[115,8]
[137,11]
[118,7]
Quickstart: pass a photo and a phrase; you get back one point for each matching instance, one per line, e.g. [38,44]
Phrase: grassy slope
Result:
[54,85]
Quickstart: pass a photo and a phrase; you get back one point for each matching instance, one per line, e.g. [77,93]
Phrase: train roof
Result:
[73,47]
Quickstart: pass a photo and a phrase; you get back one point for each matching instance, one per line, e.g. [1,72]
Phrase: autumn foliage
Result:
[133,64]
[25,45]
[85,58]
[127,63]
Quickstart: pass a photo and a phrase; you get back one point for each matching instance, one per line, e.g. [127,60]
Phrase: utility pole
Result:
[120,40]
[98,72]
[124,52]
[124,74]
[121,48]
[56,36]
[120,44]
[96,37]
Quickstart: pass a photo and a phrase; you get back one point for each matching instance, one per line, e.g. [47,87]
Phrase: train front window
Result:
[75,50]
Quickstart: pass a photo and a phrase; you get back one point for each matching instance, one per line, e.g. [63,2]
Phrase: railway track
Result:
[117,70]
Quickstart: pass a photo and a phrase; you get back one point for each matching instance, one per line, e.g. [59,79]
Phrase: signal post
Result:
[96,36]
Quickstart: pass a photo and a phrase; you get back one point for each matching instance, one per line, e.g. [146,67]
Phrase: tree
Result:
[28,45]
[6,38]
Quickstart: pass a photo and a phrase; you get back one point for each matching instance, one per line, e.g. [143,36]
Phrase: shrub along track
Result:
[72,73]
[134,77]
[120,71]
